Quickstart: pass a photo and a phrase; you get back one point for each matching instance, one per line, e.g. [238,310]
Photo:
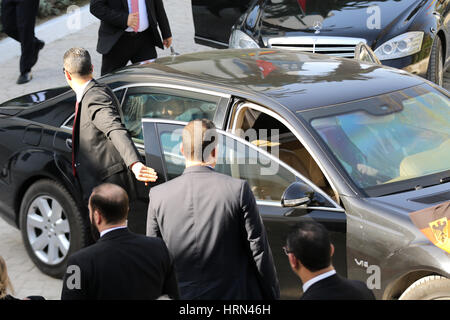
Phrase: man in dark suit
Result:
[102,149]
[212,227]
[309,250]
[121,265]
[129,31]
[18,20]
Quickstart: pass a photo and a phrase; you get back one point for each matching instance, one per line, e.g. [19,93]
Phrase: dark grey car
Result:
[359,147]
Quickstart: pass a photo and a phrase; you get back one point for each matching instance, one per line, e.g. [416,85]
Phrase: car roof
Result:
[296,80]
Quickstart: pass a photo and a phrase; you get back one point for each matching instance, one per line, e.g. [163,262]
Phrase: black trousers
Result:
[18,20]
[134,47]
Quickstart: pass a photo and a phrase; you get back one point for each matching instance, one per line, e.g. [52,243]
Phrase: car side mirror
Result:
[297,194]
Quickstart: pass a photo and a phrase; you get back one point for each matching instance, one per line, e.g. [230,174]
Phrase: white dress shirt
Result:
[80,90]
[322,276]
[143,16]
[111,229]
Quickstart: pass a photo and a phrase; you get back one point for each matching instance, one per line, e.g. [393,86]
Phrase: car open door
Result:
[213,20]
[268,178]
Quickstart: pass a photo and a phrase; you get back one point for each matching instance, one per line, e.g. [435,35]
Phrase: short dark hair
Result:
[199,136]
[111,201]
[78,61]
[310,243]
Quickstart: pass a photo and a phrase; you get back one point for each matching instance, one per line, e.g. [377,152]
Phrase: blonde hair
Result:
[5,283]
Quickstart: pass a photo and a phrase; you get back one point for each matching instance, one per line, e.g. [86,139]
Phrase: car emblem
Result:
[440,230]
[433,222]
[317,26]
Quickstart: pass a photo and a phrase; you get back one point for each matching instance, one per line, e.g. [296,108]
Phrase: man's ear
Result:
[331,250]
[68,76]
[182,149]
[98,217]
[295,264]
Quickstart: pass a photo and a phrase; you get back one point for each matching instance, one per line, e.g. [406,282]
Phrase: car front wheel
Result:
[52,226]
[428,288]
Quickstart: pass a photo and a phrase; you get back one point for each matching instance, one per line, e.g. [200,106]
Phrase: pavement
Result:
[61,34]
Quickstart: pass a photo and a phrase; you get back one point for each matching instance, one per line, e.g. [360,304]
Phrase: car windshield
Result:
[389,138]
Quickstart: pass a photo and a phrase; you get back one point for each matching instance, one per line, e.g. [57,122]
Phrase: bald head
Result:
[111,201]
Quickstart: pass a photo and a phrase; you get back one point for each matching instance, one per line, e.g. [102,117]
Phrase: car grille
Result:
[333,46]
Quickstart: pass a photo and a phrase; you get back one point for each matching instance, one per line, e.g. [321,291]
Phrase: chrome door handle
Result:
[69,143]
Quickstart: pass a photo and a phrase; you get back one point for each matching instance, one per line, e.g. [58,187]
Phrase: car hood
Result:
[344,18]
[406,202]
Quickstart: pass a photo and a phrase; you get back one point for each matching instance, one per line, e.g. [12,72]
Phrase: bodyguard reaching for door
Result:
[102,149]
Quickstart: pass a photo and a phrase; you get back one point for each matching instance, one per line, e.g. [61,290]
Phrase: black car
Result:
[413,35]
[334,140]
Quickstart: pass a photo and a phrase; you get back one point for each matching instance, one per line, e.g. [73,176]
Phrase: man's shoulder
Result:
[85,254]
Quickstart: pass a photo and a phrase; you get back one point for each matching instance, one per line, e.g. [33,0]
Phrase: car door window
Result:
[267,177]
[268,133]
[146,102]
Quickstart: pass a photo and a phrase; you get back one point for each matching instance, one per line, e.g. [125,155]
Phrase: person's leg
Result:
[26,13]
[9,21]
[145,48]
[119,55]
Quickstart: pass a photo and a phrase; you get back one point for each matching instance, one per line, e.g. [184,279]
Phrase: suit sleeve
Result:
[101,10]
[163,22]
[259,245]
[152,223]
[74,282]
[105,116]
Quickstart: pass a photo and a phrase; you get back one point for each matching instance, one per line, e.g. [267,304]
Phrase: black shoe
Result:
[40,44]
[24,78]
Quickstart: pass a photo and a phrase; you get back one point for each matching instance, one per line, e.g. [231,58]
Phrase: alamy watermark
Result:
[229,150]
[74,18]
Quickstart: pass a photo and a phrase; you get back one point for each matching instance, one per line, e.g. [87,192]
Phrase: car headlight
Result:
[401,46]
[240,40]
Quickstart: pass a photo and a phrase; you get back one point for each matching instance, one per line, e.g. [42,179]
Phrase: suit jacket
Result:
[102,145]
[121,265]
[211,225]
[337,288]
[114,17]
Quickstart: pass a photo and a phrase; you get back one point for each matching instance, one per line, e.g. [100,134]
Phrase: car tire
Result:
[436,64]
[428,288]
[52,226]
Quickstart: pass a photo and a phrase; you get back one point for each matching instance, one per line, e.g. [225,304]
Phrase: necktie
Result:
[73,139]
[302,4]
[135,9]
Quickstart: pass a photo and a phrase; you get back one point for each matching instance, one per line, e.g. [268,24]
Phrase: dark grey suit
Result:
[338,288]
[121,265]
[102,146]
[211,225]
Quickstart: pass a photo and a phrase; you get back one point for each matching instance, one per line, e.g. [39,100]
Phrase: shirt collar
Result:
[322,276]
[110,229]
[80,90]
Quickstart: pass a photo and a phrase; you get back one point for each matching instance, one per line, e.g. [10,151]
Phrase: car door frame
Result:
[272,211]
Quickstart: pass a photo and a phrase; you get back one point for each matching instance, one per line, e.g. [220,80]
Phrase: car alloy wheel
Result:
[52,225]
[48,230]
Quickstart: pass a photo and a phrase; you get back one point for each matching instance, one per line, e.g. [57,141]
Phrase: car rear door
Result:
[267,176]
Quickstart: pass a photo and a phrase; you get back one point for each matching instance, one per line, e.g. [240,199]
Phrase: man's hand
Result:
[167,42]
[143,173]
[133,20]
